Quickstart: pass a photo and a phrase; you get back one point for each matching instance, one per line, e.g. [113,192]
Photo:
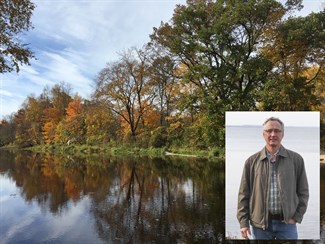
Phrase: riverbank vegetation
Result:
[126,150]
[171,94]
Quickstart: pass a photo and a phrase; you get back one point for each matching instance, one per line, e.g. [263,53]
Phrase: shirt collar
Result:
[282,152]
[269,155]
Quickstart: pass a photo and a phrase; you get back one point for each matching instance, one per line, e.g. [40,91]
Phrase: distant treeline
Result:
[212,57]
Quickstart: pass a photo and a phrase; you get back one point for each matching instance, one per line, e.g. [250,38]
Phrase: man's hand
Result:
[245,232]
[291,221]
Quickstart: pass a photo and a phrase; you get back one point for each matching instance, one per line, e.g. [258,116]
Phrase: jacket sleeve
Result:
[243,197]
[302,191]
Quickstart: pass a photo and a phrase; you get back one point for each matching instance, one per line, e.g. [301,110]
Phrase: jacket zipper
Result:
[280,190]
[267,196]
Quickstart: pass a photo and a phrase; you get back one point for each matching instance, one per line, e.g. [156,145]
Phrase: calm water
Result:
[46,199]
[241,142]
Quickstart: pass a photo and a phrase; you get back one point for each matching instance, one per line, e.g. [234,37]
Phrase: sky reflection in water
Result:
[53,199]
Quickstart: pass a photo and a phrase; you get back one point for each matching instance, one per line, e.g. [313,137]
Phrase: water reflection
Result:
[178,204]
[136,200]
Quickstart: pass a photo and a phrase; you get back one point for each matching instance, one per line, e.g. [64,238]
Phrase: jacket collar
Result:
[282,152]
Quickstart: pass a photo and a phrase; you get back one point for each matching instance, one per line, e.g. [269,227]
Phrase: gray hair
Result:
[274,119]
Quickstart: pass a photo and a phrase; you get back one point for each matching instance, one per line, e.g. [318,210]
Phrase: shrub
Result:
[159,137]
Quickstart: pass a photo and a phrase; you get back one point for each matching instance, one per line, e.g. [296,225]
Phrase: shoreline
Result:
[82,150]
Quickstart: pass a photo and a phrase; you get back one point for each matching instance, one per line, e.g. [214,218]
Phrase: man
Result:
[273,192]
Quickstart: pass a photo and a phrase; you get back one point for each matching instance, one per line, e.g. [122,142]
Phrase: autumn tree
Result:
[34,113]
[52,118]
[101,124]
[124,87]
[60,98]
[22,137]
[15,20]
[25,127]
[7,132]
[72,128]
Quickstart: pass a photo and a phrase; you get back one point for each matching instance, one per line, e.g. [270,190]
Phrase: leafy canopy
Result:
[15,19]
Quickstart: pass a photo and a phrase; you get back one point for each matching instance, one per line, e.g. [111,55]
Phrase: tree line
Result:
[211,57]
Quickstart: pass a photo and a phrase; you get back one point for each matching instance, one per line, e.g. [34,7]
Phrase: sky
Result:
[74,39]
[297,119]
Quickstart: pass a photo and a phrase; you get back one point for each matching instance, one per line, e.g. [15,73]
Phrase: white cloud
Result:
[11,95]
[5,93]
[60,68]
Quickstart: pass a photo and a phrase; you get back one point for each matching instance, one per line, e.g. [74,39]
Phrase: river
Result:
[110,199]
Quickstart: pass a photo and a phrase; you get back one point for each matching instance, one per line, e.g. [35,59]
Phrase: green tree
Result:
[320,94]
[15,19]
[218,44]
[295,47]
[218,41]
[164,72]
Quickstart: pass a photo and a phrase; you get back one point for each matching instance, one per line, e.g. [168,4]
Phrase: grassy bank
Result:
[125,150]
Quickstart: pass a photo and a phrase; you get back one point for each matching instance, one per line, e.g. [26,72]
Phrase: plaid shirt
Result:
[274,194]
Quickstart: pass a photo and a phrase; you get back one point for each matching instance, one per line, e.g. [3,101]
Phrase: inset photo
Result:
[272,175]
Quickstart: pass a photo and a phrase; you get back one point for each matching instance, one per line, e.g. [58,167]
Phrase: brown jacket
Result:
[253,193]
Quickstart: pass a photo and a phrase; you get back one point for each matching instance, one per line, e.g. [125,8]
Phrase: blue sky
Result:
[74,39]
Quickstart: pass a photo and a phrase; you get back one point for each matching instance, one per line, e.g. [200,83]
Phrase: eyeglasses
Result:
[276,131]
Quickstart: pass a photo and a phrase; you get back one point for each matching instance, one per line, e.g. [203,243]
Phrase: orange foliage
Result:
[151,117]
[74,108]
[52,114]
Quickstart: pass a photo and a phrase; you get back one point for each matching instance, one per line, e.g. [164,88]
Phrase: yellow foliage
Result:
[49,132]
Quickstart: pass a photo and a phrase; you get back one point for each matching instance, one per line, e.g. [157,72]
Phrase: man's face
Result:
[273,133]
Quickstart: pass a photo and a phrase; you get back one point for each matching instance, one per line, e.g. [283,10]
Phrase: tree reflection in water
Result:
[154,200]
[132,199]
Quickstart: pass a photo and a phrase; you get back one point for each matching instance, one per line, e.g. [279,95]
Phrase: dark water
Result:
[47,199]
